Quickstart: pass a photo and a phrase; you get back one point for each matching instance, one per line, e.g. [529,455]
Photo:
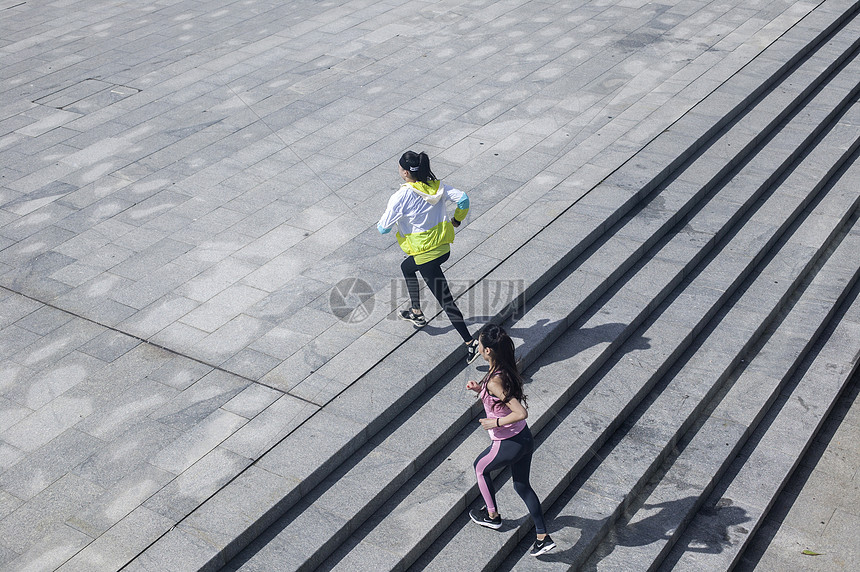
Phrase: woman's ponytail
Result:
[500,343]
[418,165]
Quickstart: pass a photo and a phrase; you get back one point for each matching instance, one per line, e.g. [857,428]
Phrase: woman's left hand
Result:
[488,424]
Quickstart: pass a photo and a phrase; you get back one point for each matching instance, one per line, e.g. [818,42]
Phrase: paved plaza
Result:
[189,261]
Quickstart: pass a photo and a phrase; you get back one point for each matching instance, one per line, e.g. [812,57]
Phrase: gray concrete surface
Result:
[182,185]
[811,527]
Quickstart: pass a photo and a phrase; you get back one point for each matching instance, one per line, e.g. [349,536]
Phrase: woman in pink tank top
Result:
[501,392]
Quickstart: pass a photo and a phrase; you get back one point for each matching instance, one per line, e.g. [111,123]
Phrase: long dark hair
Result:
[418,165]
[504,362]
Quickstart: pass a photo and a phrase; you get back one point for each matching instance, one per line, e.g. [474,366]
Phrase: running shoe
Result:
[542,546]
[482,517]
[472,353]
[410,316]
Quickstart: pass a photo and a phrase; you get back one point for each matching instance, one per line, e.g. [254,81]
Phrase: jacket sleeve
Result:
[392,214]
[462,200]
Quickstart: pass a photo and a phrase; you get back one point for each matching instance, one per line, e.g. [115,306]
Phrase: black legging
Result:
[517,452]
[432,274]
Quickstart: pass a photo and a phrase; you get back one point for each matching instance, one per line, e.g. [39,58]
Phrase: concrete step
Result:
[642,538]
[718,532]
[602,492]
[329,498]
[753,482]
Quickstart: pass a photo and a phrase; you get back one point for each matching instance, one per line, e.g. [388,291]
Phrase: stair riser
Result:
[533,352]
[706,492]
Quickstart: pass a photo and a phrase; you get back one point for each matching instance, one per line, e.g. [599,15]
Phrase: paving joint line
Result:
[150,343]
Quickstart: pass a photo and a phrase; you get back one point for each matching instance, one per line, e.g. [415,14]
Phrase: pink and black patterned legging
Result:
[517,452]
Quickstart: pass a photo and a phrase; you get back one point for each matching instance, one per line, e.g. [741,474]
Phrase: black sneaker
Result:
[472,353]
[482,517]
[542,546]
[410,316]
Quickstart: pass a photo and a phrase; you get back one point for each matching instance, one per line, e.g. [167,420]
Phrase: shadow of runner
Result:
[658,526]
[560,349]
[582,339]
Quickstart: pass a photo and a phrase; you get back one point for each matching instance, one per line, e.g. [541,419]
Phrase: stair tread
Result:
[609,395]
[756,385]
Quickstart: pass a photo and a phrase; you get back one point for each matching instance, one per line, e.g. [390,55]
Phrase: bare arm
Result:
[518,412]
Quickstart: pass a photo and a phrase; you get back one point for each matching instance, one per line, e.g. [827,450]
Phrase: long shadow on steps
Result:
[589,337]
[654,528]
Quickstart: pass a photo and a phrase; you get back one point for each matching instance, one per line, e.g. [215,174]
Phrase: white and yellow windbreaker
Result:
[423,228]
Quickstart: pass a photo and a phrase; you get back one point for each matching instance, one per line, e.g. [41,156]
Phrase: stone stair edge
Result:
[823,183]
[785,420]
[843,293]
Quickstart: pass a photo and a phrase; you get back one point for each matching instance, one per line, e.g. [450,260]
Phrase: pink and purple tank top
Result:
[495,408]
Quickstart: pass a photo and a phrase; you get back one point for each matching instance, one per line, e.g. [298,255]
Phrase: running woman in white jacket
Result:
[425,234]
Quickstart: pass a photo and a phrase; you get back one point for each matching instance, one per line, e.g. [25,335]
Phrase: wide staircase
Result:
[684,329]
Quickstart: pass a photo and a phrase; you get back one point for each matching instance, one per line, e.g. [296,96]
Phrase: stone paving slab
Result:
[173,186]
